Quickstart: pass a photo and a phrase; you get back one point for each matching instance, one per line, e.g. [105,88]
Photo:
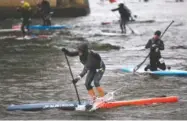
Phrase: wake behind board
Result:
[33,37]
[170,72]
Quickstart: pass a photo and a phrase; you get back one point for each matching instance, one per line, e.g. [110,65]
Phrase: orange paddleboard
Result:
[147,101]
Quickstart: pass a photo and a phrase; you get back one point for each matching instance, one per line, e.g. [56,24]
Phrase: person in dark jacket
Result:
[125,16]
[25,10]
[93,65]
[156,61]
[45,11]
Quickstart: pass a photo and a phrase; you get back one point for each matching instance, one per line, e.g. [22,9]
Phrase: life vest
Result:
[112,1]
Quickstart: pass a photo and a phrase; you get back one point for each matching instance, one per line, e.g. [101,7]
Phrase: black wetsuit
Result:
[93,64]
[45,10]
[125,15]
[156,60]
[26,19]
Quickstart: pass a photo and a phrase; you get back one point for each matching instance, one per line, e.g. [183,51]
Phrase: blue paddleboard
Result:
[159,73]
[52,27]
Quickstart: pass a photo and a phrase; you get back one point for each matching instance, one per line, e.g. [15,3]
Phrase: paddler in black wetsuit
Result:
[125,14]
[156,61]
[93,65]
[45,11]
[26,13]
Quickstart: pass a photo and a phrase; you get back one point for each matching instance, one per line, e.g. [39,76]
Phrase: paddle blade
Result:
[139,65]
[136,68]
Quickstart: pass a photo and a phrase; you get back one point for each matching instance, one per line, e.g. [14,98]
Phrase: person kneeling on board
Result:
[156,61]
[93,64]
[125,14]
[45,11]
[26,13]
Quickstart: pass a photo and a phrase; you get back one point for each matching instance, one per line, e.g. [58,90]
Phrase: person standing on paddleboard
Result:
[125,14]
[156,61]
[45,11]
[93,65]
[26,13]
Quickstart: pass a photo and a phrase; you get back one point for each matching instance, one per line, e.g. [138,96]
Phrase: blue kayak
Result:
[159,73]
[52,27]
[71,106]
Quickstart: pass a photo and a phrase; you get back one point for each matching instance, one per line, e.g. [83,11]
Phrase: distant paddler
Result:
[125,16]
[45,12]
[26,14]
[179,0]
[156,45]
[93,66]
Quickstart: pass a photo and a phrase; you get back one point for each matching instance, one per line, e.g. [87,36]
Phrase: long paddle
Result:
[130,29]
[73,79]
[139,65]
[125,24]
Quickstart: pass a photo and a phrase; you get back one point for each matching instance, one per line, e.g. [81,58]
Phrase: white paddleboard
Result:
[24,38]
[101,33]
[33,37]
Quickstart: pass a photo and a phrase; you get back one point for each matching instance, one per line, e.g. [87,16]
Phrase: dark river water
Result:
[35,70]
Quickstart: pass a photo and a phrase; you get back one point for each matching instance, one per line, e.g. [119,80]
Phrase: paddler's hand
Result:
[154,46]
[64,50]
[100,70]
[76,79]
[156,49]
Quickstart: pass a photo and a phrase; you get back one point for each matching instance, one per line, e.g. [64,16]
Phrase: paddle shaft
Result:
[130,28]
[138,66]
[73,79]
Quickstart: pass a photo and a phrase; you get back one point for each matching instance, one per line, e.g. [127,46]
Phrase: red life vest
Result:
[112,1]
